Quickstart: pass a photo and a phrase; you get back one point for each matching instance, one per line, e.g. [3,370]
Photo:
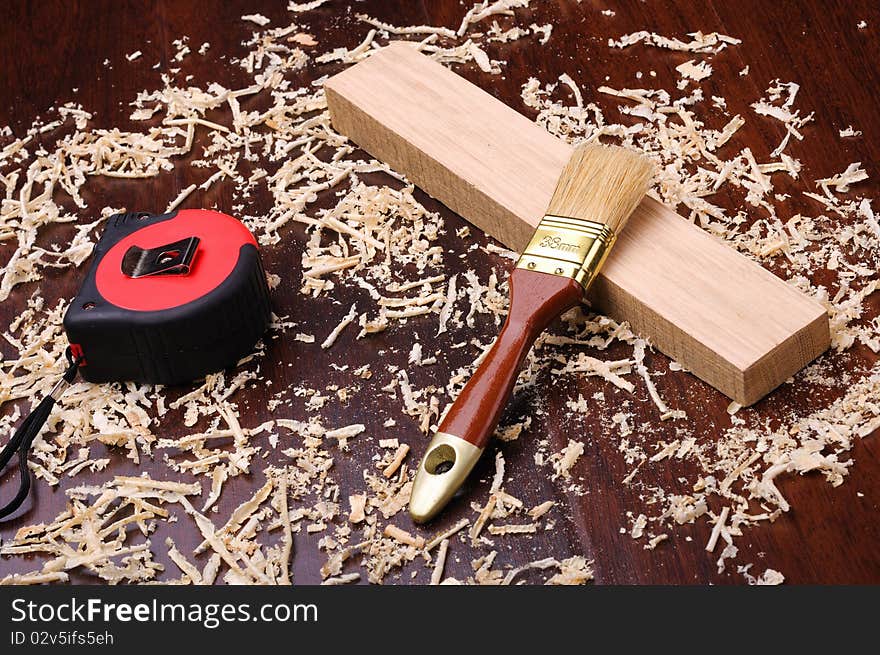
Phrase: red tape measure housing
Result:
[169,298]
[220,239]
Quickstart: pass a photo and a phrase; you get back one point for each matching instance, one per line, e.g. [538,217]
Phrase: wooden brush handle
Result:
[535,300]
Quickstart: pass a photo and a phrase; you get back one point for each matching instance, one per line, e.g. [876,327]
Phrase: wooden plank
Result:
[721,315]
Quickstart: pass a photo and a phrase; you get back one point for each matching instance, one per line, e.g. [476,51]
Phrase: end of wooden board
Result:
[722,316]
[781,363]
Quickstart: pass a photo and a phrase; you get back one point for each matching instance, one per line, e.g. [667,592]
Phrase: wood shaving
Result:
[848,131]
[565,460]
[299,7]
[446,534]
[403,536]
[259,19]
[718,530]
[539,510]
[842,181]
[358,503]
[345,322]
[484,515]
[638,526]
[348,578]
[514,528]
[397,460]
[654,541]
[572,571]
[770,577]
[440,562]
[377,240]
[702,43]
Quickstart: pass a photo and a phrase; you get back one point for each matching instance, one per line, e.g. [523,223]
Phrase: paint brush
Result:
[596,193]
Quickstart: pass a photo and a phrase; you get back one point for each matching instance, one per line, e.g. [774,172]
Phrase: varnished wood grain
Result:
[50,48]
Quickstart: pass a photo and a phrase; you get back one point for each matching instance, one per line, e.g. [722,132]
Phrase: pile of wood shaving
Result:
[698,160]
[93,533]
[376,237]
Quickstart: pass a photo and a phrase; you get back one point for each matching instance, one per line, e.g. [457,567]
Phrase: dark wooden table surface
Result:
[52,52]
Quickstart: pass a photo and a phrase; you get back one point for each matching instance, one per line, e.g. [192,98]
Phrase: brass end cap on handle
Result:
[446,464]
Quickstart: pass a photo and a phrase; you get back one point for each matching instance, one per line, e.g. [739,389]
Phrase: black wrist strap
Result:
[26,433]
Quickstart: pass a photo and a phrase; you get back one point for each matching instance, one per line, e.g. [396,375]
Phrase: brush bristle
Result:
[603,184]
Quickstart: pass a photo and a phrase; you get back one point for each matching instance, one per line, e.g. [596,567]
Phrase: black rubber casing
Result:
[170,346]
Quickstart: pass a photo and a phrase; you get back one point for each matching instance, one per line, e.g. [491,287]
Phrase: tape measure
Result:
[168,299]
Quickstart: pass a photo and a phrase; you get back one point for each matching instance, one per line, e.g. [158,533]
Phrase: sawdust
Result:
[377,237]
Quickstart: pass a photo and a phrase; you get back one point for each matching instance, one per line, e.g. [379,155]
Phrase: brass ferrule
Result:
[443,469]
[568,247]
